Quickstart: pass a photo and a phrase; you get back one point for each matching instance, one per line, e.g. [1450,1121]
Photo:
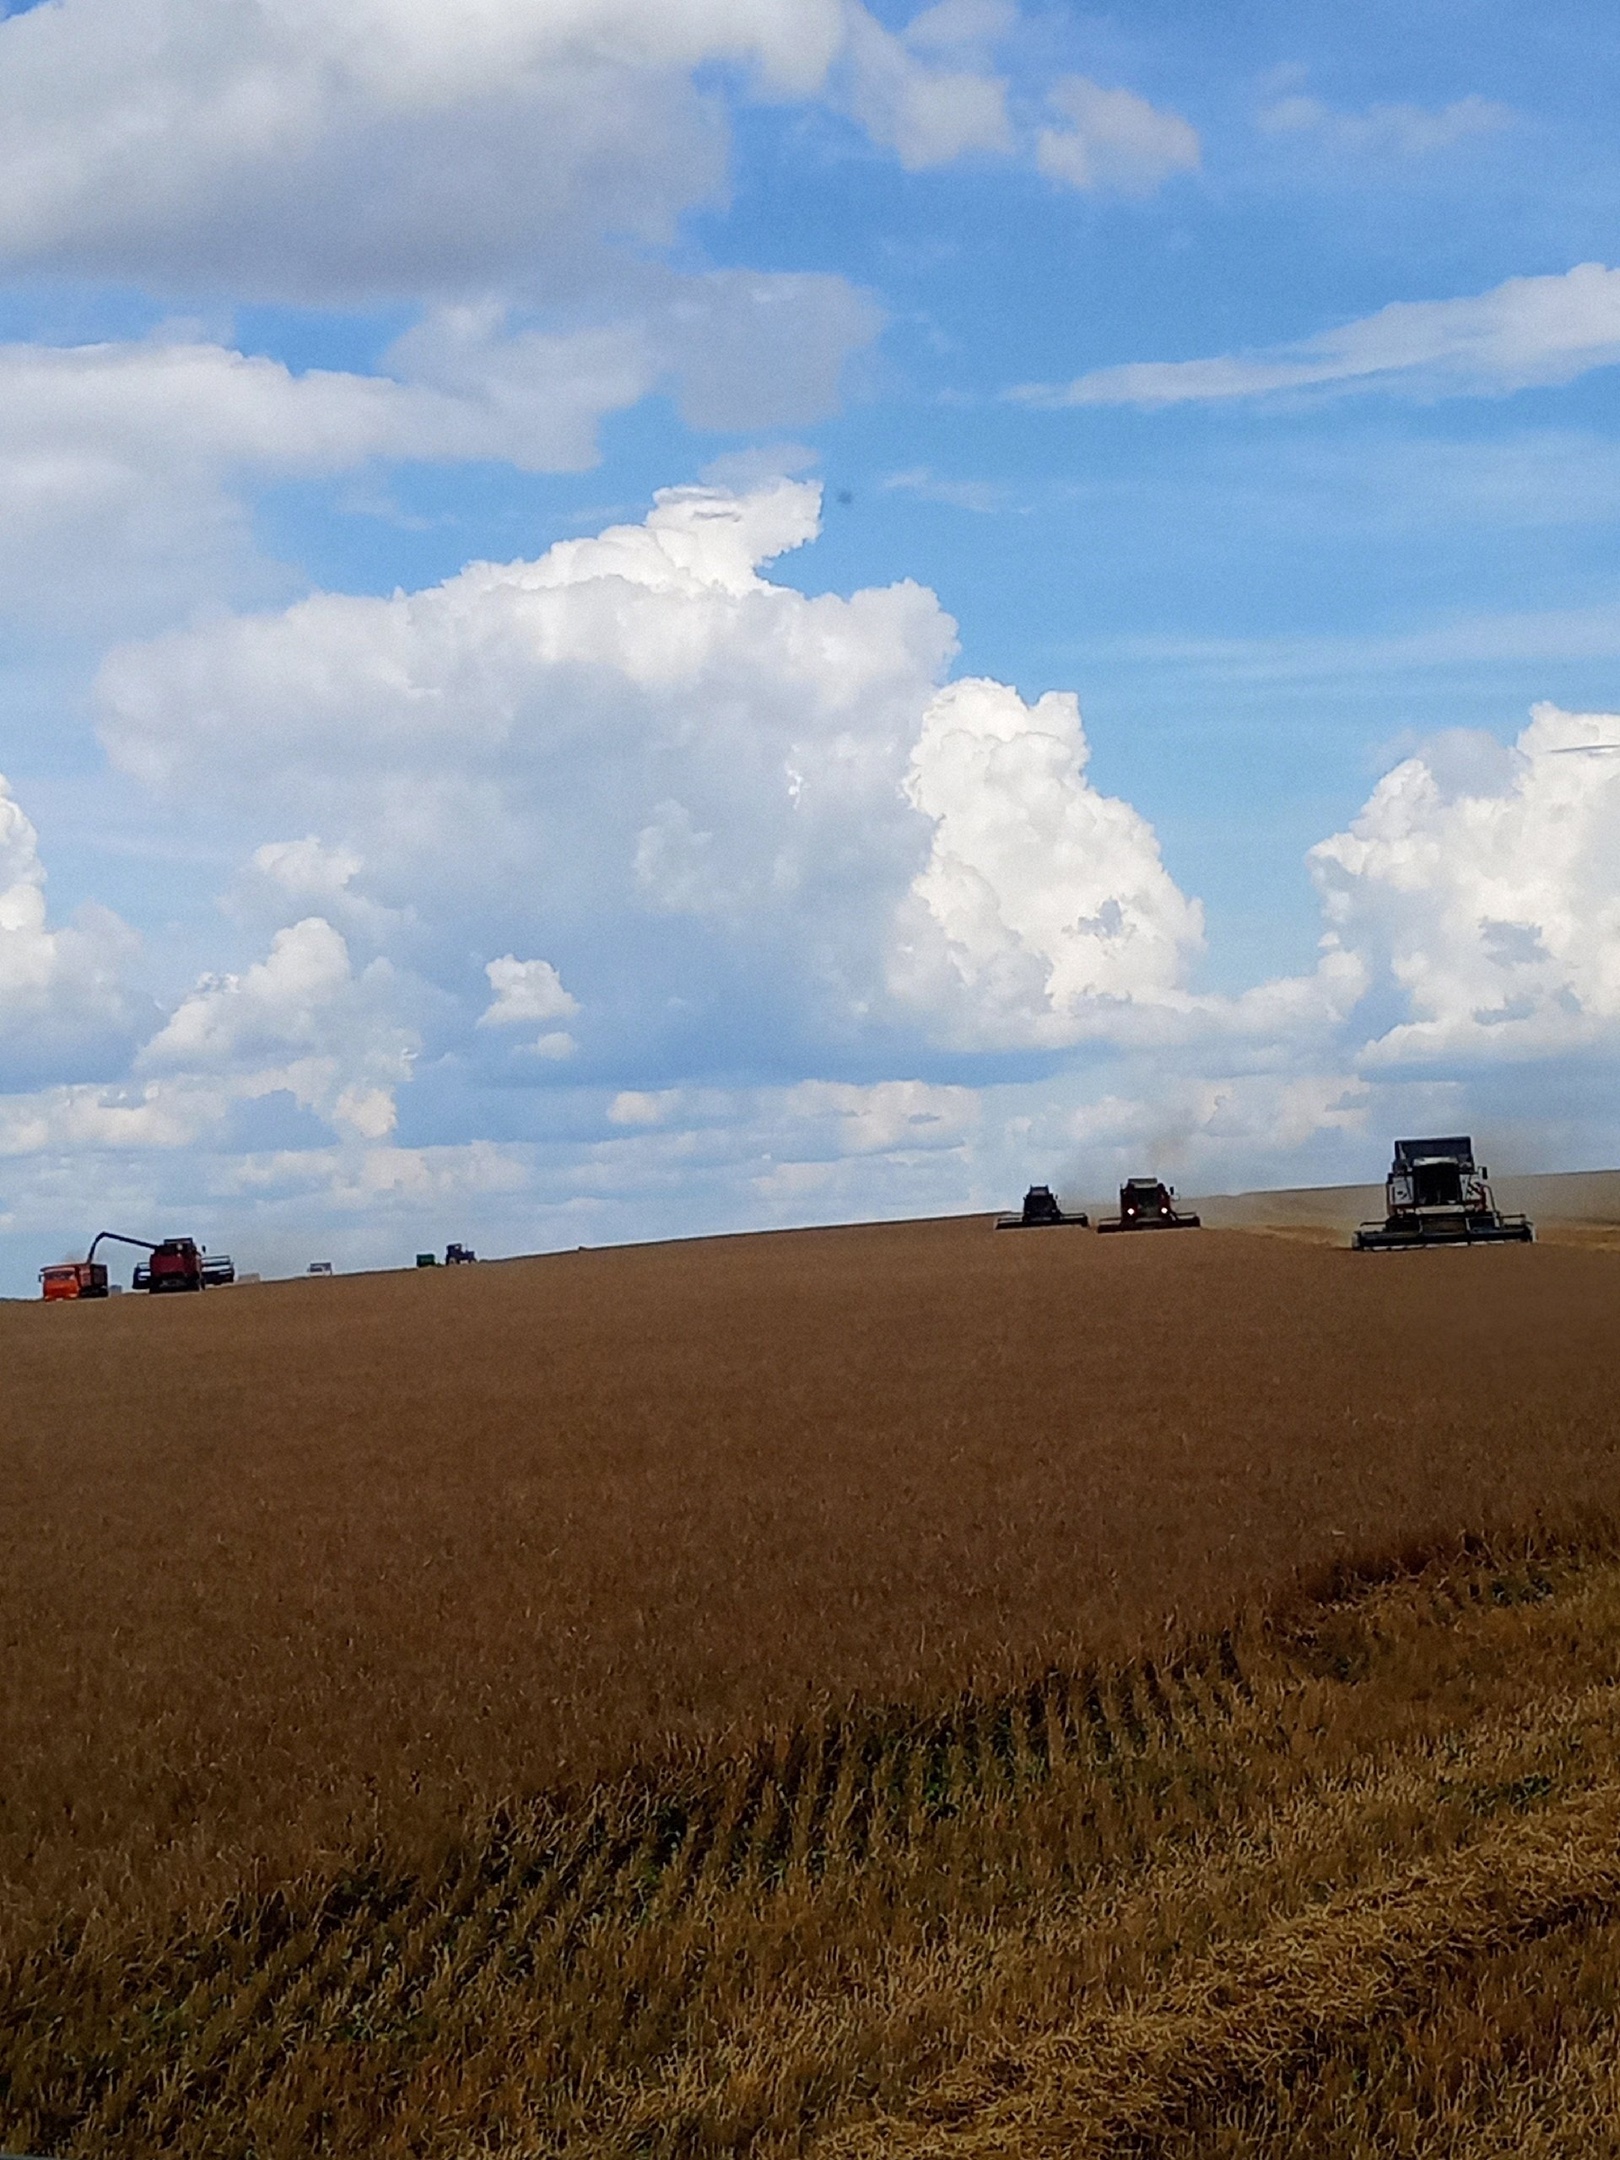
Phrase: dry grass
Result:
[707,1698]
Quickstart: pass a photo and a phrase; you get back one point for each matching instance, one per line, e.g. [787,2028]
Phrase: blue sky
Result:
[624,620]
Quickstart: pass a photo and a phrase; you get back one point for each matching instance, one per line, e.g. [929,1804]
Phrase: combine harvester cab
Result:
[1146,1204]
[1435,1195]
[1041,1212]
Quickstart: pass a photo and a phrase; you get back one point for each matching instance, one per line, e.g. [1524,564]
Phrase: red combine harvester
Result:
[1041,1212]
[178,1264]
[1435,1195]
[172,1264]
[1145,1204]
[175,1263]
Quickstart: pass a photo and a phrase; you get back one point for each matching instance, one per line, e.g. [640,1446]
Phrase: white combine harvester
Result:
[1435,1195]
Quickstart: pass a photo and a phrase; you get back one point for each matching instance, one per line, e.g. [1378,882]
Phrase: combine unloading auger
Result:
[1435,1195]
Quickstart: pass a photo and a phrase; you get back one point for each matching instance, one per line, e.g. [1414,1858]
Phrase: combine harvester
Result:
[1146,1204]
[1434,1195]
[172,1264]
[1041,1212]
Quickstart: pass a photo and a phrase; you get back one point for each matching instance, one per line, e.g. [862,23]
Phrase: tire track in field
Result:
[379,1954]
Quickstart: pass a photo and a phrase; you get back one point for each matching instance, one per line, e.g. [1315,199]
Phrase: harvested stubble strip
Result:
[1127,2080]
[628,2033]
[1454,1871]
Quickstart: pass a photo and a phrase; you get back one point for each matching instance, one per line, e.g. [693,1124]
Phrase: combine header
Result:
[1041,1212]
[1435,1196]
[1145,1204]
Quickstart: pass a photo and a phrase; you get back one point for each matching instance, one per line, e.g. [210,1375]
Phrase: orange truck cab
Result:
[73,1279]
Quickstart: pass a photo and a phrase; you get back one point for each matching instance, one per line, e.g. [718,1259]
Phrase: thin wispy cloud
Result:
[1524,333]
[1406,130]
[985,497]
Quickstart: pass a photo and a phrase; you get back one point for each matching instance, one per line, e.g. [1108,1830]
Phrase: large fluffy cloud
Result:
[722,808]
[64,996]
[1483,887]
[293,148]
[636,755]
[1043,903]
[300,1022]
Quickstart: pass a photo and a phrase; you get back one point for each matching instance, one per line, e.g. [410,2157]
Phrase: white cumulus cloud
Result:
[296,149]
[525,991]
[760,804]
[528,992]
[300,1021]
[306,877]
[64,993]
[637,726]
[1483,886]
[1043,902]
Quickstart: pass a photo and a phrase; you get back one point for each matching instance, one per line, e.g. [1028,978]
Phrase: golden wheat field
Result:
[890,1690]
